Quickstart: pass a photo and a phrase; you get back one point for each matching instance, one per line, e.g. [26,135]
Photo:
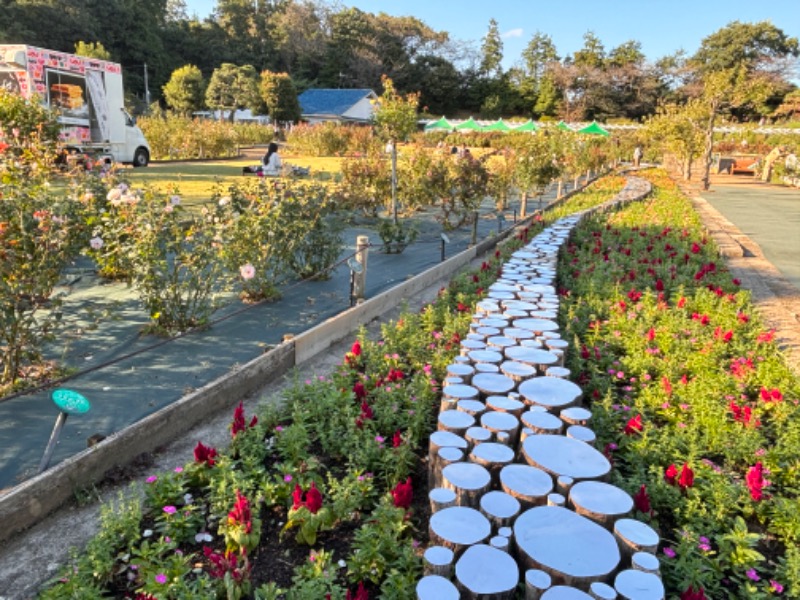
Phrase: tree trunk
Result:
[709,144]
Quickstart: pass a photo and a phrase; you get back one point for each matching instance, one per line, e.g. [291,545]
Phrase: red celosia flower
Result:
[253,421]
[584,352]
[397,439]
[222,564]
[634,425]
[681,302]
[695,247]
[742,317]
[238,420]
[671,474]
[725,336]
[462,307]
[204,454]
[686,480]
[359,390]
[691,594]
[402,494]
[651,334]
[641,500]
[313,499]
[361,593]
[755,481]
[773,395]
[366,411]
[355,350]
[241,515]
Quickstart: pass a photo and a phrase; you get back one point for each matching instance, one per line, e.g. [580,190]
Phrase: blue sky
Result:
[662,26]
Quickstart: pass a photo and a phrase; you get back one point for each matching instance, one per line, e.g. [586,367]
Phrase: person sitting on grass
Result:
[271,163]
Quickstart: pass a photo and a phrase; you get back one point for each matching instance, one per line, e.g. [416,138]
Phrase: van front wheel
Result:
[141,158]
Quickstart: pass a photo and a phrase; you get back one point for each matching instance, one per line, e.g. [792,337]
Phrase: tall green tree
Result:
[92,50]
[233,88]
[741,65]
[185,90]
[280,96]
[492,52]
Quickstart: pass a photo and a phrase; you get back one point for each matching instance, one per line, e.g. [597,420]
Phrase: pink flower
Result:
[752,575]
[170,510]
[755,481]
[669,552]
[247,271]
[96,243]
[161,578]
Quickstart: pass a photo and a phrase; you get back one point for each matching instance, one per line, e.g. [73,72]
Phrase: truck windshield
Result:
[129,120]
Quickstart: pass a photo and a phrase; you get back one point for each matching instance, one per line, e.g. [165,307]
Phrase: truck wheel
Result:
[141,158]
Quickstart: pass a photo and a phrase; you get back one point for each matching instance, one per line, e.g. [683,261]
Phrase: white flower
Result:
[203,536]
[114,195]
[88,196]
[224,200]
[174,200]
[342,564]
[187,498]
[96,243]
[247,271]
[147,533]
[169,208]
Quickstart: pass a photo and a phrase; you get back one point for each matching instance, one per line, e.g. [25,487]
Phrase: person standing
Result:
[637,155]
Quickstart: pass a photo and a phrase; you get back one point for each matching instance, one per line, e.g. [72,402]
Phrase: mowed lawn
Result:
[195,181]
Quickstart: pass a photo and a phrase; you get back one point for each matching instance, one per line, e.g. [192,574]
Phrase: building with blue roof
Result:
[353,106]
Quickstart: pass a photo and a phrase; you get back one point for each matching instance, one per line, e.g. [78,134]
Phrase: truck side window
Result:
[129,120]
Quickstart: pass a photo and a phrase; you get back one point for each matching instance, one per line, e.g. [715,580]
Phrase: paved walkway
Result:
[755,224]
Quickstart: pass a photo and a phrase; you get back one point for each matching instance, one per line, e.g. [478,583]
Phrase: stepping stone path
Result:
[521,499]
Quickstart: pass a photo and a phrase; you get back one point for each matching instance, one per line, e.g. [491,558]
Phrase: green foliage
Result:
[330,139]
[396,116]
[92,50]
[185,90]
[396,236]
[232,88]
[280,96]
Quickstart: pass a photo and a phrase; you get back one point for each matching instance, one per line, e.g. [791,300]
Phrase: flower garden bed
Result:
[356,436]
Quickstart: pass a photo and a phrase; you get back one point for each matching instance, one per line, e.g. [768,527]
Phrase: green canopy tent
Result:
[498,125]
[594,129]
[563,126]
[528,125]
[469,125]
[441,125]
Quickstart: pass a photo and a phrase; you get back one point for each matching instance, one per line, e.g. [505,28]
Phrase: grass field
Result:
[195,180]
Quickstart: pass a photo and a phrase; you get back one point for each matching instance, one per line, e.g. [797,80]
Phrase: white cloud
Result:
[512,33]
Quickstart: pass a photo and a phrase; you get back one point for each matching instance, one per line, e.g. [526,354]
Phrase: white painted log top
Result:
[526,480]
[536,325]
[601,498]
[563,592]
[552,392]
[492,452]
[636,532]
[443,439]
[486,570]
[439,555]
[460,525]
[455,419]
[436,587]
[460,391]
[561,455]
[499,421]
[562,541]
[466,475]
[530,356]
[602,591]
[486,356]
[499,504]
[493,383]
[638,585]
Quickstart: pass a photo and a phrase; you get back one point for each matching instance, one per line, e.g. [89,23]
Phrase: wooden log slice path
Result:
[527,484]
[582,434]
[468,480]
[602,591]
[458,527]
[565,592]
[634,536]
[441,498]
[436,587]
[556,371]
[490,384]
[500,508]
[551,392]
[536,583]
[505,404]
[601,502]
[469,345]
[438,560]
[493,456]
[536,357]
[472,407]
[559,455]
[538,326]
[486,573]
[644,561]
[460,370]
[478,435]
[571,548]
[576,415]
[518,334]
[455,421]
[638,585]
[517,371]
[496,422]
[542,422]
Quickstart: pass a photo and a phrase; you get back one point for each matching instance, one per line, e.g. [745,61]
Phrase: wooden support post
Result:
[360,276]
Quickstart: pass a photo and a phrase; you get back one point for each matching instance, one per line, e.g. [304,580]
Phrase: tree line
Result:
[321,44]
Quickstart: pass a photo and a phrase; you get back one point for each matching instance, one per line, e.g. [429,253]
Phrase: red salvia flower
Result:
[313,499]
[695,247]
[359,390]
[634,425]
[204,454]
[681,302]
[462,307]
[238,420]
[402,494]
[665,383]
[355,349]
[297,497]
[642,501]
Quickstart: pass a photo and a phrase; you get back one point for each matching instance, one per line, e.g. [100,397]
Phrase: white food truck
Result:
[87,95]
